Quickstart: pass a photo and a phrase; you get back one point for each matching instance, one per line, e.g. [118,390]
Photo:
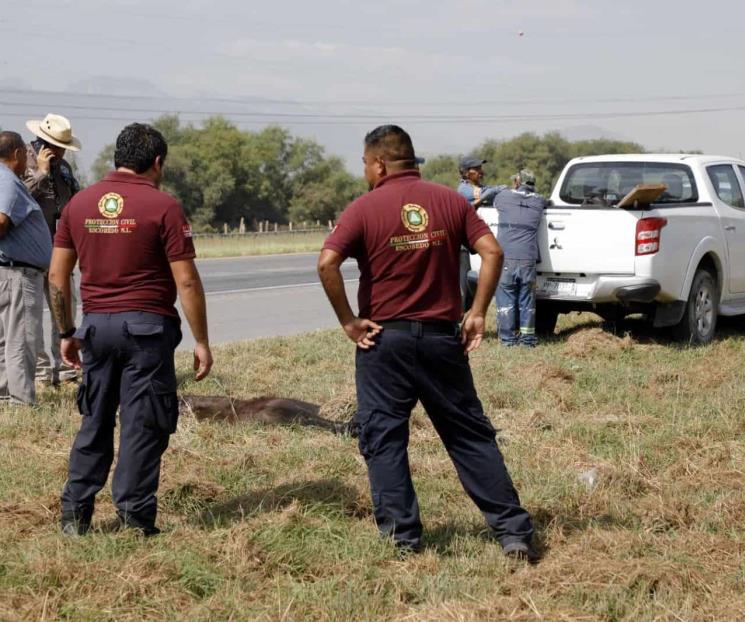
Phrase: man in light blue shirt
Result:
[25,251]
[472,187]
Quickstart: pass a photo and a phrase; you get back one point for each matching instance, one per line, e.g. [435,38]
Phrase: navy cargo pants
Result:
[127,365]
[426,362]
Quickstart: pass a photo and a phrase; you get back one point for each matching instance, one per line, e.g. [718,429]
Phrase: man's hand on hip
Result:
[472,331]
[362,332]
[202,361]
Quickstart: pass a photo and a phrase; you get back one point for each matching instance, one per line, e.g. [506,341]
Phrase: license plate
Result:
[558,287]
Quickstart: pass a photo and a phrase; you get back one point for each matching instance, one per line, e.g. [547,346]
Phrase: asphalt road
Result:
[266,296]
[244,274]
[262,296]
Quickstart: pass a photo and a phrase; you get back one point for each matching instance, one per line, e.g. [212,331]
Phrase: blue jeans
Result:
[516,303]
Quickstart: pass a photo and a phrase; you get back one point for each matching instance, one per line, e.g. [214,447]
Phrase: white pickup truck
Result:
[680,260]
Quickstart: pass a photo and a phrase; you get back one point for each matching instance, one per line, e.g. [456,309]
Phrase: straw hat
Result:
[55,129]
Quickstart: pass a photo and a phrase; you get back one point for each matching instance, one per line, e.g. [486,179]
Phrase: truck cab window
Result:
[606,183]
[726,185]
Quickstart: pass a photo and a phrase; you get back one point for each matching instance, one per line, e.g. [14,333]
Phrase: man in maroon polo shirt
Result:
[405,235]
[136,253]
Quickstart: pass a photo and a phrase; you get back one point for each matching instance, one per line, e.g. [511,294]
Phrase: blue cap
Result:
[470,162]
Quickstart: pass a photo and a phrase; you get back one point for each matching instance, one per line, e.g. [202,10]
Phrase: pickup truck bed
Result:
[652,258]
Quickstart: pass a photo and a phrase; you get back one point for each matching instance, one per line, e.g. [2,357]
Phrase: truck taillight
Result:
[648,234]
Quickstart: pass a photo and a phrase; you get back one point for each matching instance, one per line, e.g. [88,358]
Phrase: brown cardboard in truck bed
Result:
[643,193]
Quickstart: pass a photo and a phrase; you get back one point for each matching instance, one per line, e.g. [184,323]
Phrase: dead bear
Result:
[267,410]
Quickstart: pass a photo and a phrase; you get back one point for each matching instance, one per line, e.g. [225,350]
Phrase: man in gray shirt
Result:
[50,180]
[520,211]
[25,251]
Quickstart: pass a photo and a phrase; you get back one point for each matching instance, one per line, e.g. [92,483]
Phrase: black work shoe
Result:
[521,551]
[120,524]
[74,525]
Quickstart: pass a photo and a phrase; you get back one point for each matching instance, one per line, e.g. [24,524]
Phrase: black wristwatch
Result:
[68,333]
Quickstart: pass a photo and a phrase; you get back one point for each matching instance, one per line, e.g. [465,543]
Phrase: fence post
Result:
[242,226]
[225,228]
[276,227]
[261,227]
[331,225]
[290,225]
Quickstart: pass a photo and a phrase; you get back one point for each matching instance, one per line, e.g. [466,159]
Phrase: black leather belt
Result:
[417,328]
[19,264]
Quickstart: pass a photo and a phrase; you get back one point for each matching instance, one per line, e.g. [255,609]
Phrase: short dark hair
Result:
[391,143]
[137,146]
[9,142]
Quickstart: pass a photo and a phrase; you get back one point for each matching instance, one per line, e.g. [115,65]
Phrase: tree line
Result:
[545,155]
[221,173]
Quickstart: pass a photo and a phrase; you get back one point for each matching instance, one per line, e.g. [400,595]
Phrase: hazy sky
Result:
[452,73]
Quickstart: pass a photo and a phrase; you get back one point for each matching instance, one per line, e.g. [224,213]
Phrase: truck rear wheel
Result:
[466,295]
[546,316]
[699,321]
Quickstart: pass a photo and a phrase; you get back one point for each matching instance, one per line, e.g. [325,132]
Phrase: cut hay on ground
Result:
[629,455]
[592,342]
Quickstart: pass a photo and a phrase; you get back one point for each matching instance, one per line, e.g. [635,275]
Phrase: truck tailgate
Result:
[590,241]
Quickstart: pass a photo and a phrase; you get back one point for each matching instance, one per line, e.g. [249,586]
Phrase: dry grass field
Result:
[209,246]
[270,523]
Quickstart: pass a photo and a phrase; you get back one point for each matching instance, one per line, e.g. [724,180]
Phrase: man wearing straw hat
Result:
[49,178]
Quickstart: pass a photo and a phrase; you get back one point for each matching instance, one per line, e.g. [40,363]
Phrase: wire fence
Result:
[268,228]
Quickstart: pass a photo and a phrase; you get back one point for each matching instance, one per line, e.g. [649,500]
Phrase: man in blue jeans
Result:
[520,211]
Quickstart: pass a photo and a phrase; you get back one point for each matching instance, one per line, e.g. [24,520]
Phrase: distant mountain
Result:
[106,85]
[100,106]
[14,83]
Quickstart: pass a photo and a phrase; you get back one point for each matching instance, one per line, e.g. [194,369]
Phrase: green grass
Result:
[275,523]
[259,244]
